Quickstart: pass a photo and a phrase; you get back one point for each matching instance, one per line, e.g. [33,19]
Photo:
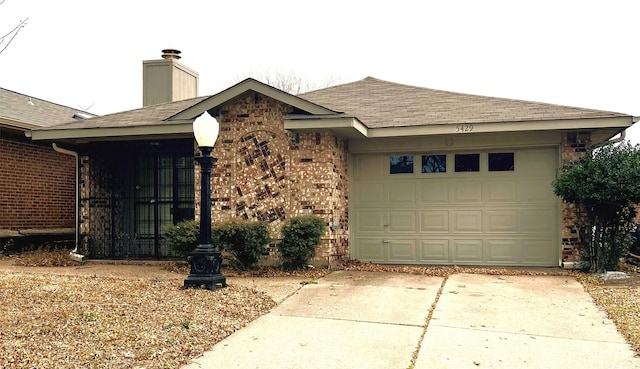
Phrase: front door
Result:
[163,195]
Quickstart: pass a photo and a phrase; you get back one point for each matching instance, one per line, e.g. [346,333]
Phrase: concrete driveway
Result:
[386,320]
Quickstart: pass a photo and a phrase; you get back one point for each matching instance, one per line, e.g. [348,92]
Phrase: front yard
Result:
[67,321]
[124,316]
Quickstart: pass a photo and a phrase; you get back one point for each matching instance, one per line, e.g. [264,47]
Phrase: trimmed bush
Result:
[183,236]
[300,237]
[244,240]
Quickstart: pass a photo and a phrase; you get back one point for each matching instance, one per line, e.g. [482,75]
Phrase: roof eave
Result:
[345,126]
[492,127]
[182,129]
[16,125]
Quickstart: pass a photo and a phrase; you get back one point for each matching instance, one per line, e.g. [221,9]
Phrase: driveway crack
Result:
[414,357]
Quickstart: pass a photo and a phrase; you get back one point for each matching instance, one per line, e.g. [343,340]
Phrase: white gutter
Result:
[73,254]
[623,135]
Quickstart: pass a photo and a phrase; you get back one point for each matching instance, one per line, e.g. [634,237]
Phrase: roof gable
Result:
[212,103]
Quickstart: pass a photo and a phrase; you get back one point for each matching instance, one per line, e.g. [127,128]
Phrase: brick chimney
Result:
[165,80]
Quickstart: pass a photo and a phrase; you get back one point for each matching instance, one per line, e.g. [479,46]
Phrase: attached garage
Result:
[438,177]
[493,207]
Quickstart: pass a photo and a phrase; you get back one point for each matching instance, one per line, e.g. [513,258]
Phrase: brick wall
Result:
[574,146]
[268,174]
[37,185]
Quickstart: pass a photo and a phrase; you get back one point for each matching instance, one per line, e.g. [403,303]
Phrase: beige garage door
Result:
[464,208]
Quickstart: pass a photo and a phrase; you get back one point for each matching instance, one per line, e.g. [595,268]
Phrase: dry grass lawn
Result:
[64,321]
[138,317]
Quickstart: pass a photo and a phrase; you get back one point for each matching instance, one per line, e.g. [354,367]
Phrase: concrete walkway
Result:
[379,320]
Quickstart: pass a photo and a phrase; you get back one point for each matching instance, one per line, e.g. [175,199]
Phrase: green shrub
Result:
[183,236]
[605,186]
[300,237]
[244,240]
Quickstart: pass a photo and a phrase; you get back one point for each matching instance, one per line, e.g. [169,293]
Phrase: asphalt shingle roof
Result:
[379,104]
[22,108]
[149,115]
[376,103]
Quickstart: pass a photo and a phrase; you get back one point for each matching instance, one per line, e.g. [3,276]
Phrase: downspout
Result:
[623,135]
[73,254]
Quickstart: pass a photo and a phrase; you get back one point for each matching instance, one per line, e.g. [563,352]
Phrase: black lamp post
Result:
[205,261]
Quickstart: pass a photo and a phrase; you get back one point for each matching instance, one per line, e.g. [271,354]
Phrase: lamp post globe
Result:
[205,261]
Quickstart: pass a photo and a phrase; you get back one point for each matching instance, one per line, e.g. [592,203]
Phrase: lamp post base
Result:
[205,264]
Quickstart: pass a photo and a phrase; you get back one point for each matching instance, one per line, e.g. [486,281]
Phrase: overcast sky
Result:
[89,53]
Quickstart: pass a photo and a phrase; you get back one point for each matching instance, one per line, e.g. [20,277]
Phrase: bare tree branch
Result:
[291,82]
[12,34]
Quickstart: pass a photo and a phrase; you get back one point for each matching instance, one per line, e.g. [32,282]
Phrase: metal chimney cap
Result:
[171,54]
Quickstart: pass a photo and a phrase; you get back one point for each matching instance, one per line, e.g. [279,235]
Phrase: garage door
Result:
[463,208]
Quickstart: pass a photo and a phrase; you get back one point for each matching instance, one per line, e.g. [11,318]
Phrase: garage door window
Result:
[501,162]
[434,163]
[467,162]
[400,164]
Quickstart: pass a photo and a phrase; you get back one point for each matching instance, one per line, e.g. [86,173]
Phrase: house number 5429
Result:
[461,128]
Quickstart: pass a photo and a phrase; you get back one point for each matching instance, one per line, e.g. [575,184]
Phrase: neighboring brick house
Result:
[401,174]
[37,184]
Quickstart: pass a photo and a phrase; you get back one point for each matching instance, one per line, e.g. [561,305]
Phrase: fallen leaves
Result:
[62,321]
[620,302]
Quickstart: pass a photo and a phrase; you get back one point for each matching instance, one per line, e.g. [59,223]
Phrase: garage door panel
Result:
[466,221]
[537,251]
[402,193]
[368,194]
[536,191]
[537,220]
[436,192]
[502,251]
[369,167]
[466,192]
[402,221]
[402,250]
[501,221]
[467,251]
[536,162]
[434,221]
[372,249]
[500,191]
[434,251]
[370,221]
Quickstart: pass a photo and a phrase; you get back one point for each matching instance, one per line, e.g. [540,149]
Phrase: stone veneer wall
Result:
[265,173]
[574,146]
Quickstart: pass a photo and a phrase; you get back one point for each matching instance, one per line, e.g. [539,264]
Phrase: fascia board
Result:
[16,124]
[312,123]
[468,128]
[112,132]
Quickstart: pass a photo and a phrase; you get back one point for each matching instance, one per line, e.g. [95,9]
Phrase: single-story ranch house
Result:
[401,174]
